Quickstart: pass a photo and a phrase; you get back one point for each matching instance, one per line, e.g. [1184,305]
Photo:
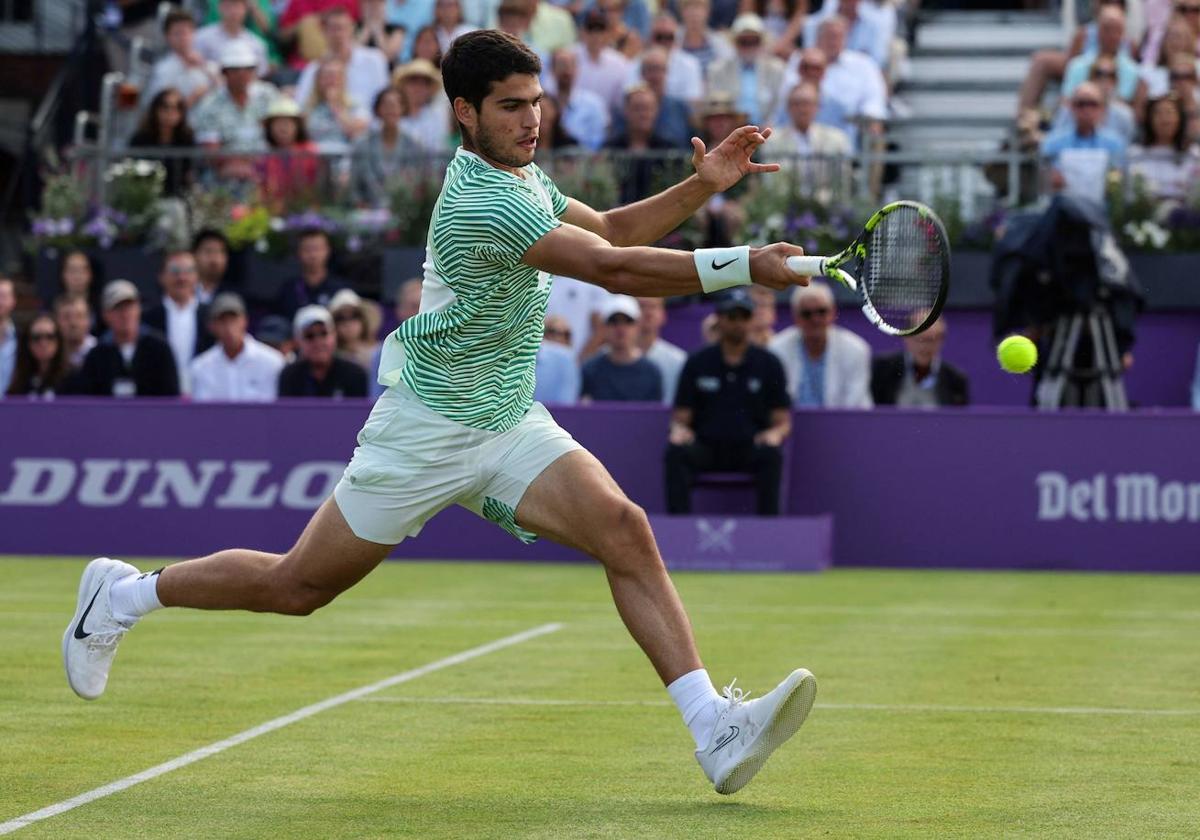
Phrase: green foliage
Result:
[412,193]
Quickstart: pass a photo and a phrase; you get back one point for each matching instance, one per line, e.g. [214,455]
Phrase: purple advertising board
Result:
[973,488]
[163,478]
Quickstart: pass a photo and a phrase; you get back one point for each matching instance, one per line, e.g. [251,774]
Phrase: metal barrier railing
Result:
[974,181]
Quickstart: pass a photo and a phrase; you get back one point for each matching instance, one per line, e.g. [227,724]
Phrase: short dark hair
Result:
[64,300]
[479,59]
[207,234]
[176,15]
[170,254]
[310,232]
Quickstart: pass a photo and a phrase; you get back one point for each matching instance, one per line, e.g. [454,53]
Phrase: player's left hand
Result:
[725,165]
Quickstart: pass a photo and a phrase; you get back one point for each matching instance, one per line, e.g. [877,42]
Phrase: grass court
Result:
[951,704]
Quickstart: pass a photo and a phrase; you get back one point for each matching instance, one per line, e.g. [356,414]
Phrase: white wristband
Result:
[722,268]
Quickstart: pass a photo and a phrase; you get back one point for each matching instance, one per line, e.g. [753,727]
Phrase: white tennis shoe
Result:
[91,639]
[748,731]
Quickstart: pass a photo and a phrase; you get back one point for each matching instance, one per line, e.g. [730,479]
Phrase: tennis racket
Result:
[900,264]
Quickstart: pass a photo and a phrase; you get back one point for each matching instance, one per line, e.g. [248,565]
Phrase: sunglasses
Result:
[1183,77]
[664,37]
[1085,103]
[1188,10]
[619,320]
[735,315]
[818,312]
[595,27]
[315,335]
[749,42]
[810,65]
[558,334]
[1104,74]
[37,337]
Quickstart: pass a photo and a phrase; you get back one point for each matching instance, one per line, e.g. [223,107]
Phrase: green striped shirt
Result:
[469,354]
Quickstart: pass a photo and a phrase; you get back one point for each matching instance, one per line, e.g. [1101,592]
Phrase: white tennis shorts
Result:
[412,462]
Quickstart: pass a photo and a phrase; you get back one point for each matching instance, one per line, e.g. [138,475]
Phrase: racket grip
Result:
[807,266]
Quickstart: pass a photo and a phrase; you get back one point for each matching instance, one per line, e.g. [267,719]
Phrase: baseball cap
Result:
[226,303]
[118,292]
[736,300]
[620,305]
[345,297]
[237,55]
[306,316]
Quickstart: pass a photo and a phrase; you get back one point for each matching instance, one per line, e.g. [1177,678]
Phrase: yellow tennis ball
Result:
[1017,354]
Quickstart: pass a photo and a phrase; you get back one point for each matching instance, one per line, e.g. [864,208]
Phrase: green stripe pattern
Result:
[471,356]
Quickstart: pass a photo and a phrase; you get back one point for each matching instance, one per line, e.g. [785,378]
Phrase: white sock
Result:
[133,596]
[699,704]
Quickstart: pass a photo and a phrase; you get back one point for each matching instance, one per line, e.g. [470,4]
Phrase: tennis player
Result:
[458,425]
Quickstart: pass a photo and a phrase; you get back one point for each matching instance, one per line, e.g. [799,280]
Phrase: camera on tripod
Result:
[1058,272]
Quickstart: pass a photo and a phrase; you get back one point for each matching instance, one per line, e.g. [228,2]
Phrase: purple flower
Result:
[807,220]
[811,246]
[42,227]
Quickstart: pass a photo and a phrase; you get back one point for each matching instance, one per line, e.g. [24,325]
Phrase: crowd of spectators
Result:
[355,83]
[1128,99]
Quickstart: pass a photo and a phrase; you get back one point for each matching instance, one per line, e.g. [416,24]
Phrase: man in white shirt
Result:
[74,318]
[183,68]
[179,317]
[685,76]
[668,358]
[366,67]
[238,368]
[580,304]
[871,28]
[826,366]
[585,115]
[602,70]
[852,88]
[230,28]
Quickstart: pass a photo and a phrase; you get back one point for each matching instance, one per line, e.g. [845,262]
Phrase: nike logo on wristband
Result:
[716,267]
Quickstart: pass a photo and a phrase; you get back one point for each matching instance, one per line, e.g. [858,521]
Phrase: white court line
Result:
[869,707]
[980,611]
[271,726]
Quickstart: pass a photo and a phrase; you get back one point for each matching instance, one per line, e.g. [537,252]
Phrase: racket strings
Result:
[905,268]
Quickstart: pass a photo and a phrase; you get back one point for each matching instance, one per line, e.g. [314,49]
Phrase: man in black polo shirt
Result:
[131,360]
[319,371]
[732,412]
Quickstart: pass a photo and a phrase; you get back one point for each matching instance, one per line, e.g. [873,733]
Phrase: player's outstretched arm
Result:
[653,218]
[656,272]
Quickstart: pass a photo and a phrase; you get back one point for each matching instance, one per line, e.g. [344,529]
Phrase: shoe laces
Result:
[733,694]
[101,644]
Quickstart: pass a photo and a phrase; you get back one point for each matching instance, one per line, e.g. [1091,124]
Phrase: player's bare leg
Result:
[327,560]
[577,503]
